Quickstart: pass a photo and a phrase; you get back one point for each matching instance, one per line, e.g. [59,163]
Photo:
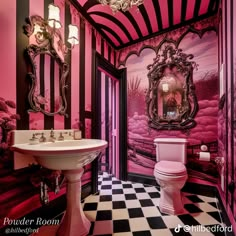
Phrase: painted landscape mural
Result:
[141,151]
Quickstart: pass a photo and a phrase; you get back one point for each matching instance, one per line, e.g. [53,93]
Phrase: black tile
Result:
[106,187]
[107,179]
[187,219]
[104,215]
[130,196]
[146,202]
[116,182]
[217,230]
[135,212]
[104,198]
[192,208]
[215,215]
[121,226]
[213,204]
[140,190]
[117,191]
[156,222]
[90,206]
[142,233]
[154,195]
[118,204]
[194,198]
[127,185]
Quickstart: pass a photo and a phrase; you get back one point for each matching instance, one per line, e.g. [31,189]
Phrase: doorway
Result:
[110,119]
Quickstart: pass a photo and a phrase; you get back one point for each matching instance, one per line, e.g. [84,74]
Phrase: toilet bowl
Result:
[171,174]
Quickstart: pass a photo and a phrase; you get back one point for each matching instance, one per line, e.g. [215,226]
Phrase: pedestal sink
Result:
[69,156]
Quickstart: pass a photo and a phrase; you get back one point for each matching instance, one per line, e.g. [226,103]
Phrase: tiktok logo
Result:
[177,228]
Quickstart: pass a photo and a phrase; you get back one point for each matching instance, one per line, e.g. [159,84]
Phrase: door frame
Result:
[119,74]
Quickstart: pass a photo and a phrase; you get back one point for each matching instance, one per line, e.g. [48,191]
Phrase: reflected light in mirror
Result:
[73,35]
[165,87]
[54,16]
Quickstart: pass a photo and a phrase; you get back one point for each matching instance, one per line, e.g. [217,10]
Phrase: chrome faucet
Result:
[52,137]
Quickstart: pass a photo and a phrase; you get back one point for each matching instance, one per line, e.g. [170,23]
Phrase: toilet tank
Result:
[171,149]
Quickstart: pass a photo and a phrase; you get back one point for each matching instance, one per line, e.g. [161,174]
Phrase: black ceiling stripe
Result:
[111,32]
[133,22]
[158,14]
[146,18]
[183,10]
[197,8]
[170,12]
[114,20]
[90,4]
[213,5]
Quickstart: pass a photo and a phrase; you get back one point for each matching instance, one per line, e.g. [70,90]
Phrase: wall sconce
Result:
[54,22]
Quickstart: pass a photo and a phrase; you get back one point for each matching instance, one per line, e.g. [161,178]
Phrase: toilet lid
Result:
[170,167]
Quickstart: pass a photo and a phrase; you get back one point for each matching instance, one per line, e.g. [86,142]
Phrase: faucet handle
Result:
[61,137]
[42,138]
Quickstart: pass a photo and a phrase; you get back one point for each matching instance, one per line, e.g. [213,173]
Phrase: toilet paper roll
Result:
[204,156]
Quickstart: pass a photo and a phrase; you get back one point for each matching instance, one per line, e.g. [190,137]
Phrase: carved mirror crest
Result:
[171,100]
[47,70]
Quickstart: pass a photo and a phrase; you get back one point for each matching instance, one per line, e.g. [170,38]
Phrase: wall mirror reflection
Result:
[171,99]
[46,68]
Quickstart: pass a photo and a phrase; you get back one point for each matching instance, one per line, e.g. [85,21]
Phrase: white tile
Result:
[117,186]
[107,205]
[118,197]
[91,215]
[123,234]
[172,221]
[132,203]
[128,190]
[161,232]
[118,214]
[138,224]
[204,219]
[205,206]
[142,195]
[151,211]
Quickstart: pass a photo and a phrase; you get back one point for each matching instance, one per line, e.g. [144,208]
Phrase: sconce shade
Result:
[54,16]
[73,35]
[165,87]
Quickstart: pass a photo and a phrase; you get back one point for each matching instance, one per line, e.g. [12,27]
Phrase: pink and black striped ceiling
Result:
[150,19]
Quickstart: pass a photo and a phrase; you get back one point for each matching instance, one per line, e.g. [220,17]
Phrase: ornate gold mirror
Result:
[47,70]
[171,99]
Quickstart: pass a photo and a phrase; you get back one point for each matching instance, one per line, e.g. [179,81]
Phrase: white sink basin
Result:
[63,155]
[69,156]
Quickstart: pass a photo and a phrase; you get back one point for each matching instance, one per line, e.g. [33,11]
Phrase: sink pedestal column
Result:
[74,222]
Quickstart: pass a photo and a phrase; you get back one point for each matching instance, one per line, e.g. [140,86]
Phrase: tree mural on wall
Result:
[7,123]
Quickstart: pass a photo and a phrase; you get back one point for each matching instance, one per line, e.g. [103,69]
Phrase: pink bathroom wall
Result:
[8,50]
[205,79]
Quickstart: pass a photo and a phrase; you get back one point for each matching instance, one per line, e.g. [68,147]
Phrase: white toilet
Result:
[170,173]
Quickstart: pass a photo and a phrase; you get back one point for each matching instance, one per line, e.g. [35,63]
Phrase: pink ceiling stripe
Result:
[177,11]
[152,15]
[139,19]
[112,38]
[82,2]
[204,7]
[120,16]
[164,12]
[112,26]
[190,9]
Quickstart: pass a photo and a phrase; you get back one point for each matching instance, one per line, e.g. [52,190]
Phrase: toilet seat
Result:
[170,168]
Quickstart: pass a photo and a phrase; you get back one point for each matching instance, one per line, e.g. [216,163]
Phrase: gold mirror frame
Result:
[172,72]
[46,41]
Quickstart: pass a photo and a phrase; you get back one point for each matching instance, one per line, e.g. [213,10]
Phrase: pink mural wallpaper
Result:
[141,151]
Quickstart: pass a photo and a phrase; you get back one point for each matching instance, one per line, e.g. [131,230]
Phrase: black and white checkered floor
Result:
[125,208]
